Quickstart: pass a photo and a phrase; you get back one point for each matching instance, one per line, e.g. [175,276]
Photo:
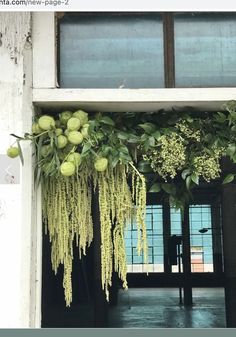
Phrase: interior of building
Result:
[183,285]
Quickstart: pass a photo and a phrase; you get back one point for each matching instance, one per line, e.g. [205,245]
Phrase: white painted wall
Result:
[16,219]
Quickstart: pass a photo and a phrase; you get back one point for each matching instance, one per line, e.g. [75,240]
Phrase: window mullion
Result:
[169,58]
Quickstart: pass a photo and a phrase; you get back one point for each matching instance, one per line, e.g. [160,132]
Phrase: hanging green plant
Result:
[121,155]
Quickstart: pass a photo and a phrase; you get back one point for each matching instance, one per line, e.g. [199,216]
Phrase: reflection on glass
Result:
[205,49]
[111,51]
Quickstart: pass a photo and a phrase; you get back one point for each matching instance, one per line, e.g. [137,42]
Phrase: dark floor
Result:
[159,308]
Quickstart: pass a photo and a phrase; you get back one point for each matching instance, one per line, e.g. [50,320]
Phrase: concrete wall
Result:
[17,307]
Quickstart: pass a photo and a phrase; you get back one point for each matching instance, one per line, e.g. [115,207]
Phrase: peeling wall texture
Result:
[15,199]
[14,42]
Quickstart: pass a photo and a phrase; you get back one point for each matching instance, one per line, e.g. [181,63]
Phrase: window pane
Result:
[111,51]
[205,49]
[175,218]
[154,221]
[201,243]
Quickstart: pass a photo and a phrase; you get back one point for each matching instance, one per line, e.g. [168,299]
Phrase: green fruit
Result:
[46,150]
[75,137]
[46,122]
[67,169]
[73,124]
[100,164]
[65,116]
[84,130]
[75,158]
[82,116]
[36,129]
[58,131]
[13,152]
[61,141]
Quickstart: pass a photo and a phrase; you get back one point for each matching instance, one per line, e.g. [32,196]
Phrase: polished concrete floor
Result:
[159,308]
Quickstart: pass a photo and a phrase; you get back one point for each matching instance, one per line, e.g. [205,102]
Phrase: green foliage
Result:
[228,179]
[177,149]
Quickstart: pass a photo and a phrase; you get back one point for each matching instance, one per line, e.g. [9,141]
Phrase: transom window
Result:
[147,50]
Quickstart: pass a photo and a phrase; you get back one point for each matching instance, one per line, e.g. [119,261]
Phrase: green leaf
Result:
[123,149]
[114,161]
[144,167]
[114,152]
[125,157]
[228,179]
[151,141]
[185,173]
[156,135]
[146,145]
[144,137]
[188,182]
[231,150]
[195,178]
[155,188]
[230,106]
[86,148]
[233,114]
[233,158]
[12,134]
[122,135]
[220,117]
[20,151]
[168,188]
[107,120]
[37,176]
[148,127]
[106,149]
[92,125]
[190,120]
[39,147]
[133,139]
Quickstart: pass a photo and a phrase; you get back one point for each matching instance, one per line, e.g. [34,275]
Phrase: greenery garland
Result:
[121,155]
[66,209]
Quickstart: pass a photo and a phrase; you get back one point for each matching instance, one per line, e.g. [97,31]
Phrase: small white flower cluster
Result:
[208,165]
[168,157]
[189,133]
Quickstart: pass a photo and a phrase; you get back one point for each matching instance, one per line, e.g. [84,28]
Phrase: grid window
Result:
[154,222]
[201,243]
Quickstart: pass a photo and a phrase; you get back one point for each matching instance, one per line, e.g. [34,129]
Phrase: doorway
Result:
[204,244]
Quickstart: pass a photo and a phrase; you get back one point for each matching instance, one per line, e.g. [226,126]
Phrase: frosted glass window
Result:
[205,49]
[111,51]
